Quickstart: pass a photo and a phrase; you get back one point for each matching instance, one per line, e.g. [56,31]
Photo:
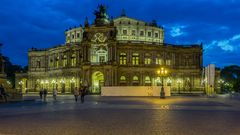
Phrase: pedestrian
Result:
[83,93]
[55,94]
[45,94]
[41,94]
[76,94]
[3,93]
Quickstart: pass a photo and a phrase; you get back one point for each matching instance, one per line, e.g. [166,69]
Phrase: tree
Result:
[231,75]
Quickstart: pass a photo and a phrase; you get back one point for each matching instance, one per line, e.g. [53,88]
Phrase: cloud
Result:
[231,44]
[177,31]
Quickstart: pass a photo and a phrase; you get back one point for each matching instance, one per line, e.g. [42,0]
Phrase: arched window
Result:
[122,78]
[135,78]
[64,60]
[73,60]
[147,79]
[51,62]
[57,62]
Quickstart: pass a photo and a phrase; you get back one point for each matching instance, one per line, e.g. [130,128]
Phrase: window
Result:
[156,35]
[68,38]
[72,36]
[124,32]
[147,79]
[149,34]
[38,64]
[122,78]
[123,59]
[51,63]
[135,59]
[159,61]
[135,78]
[73,60]
[141,33]
[57,62]
[133,33]
[64,61]
[78,35]
[168,62]
[147,61]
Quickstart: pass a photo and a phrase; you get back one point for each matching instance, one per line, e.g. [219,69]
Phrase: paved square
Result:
[122,116]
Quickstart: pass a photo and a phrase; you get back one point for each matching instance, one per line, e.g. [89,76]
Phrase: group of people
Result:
[3,93]
[77,92]
[80,92]
[43,94]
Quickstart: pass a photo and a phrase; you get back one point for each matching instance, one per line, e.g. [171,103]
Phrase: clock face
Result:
[99,37]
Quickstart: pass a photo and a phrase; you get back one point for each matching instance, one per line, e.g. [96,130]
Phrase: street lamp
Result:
[53,83]
[72,81]
[179,82]
[42,82]
[63,85]
[221,82]
[21,84]
[162,72]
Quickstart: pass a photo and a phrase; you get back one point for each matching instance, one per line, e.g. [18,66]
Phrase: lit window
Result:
[147,61]
[122,78]
[135,78]
[159,61]
[147,79]
[135,59]
[168,62]
[123,59]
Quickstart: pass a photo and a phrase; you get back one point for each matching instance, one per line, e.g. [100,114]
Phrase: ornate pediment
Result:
[99,38]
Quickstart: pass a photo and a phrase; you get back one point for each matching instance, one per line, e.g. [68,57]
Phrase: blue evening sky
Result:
[41,24]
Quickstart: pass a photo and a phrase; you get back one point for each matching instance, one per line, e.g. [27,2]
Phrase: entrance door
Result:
[97,81]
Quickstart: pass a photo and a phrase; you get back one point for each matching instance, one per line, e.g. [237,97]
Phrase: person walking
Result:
[41,94]
[45,94]
[55,94]
[76,94]
[3,93]
[83,93]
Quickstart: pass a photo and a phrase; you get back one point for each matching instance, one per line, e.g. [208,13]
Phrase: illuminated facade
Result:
[113,52]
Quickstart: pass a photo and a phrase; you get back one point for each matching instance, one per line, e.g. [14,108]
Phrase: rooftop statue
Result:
[101,16]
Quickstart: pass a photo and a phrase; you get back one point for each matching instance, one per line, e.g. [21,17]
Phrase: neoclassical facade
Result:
[113,52]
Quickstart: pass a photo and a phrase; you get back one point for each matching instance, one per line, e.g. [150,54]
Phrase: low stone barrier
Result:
[134,91]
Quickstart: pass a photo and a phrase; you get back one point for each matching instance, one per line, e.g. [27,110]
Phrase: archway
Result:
[97,81]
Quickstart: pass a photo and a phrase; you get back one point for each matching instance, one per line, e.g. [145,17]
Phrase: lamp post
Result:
[63,85]
[46,84]
[72,81]
[162,72]
[53,84]
[20,83]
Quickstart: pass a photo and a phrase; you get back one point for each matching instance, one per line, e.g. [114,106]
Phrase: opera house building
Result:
[118,51]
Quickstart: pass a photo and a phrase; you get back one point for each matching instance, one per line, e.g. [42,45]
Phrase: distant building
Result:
[113,52]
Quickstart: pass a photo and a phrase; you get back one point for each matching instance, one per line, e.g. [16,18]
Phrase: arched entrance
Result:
[97,81]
